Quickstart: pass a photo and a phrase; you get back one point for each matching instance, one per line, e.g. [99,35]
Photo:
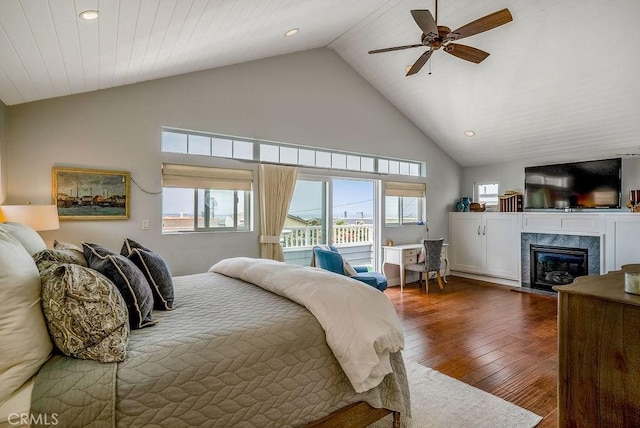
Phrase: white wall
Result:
[3,149]
[510,175]
[311,98]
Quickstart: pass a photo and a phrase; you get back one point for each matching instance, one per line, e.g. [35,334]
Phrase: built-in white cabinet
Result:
[622,240]
[489,244]
[485,243]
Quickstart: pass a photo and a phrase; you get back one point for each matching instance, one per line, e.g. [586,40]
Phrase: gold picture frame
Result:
[91,194]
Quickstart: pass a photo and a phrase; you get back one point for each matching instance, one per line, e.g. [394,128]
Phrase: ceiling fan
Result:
[436,36]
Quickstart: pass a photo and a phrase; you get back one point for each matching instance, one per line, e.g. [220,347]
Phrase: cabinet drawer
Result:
[409,260]
[411,256]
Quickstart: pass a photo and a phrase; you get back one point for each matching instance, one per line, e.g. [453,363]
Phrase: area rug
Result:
[438,400]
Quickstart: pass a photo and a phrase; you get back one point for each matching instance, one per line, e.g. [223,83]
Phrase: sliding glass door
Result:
[307,223]
[337,211]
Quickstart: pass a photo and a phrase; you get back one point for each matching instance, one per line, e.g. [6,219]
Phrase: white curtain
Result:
[276,189]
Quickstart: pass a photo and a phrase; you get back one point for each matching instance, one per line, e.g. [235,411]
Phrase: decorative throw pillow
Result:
[86,314]
[156,271]
[29,238]
[24,341]
[55,256]
[72,249]
[63,252]
[128,278]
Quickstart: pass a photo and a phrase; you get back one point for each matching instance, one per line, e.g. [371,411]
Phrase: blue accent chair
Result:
[332,261]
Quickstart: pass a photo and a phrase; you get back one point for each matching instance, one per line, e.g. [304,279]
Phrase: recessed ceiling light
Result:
[469,133]
[292,32]
[89,15]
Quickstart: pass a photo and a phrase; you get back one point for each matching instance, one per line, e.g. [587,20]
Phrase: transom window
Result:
[197,143]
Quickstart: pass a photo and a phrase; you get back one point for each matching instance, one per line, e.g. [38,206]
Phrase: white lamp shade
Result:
[38,217]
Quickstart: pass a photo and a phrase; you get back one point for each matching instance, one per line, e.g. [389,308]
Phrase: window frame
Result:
[202,181]
[207,211]
[422,201]
[324,158]
[476,192]
[402,190]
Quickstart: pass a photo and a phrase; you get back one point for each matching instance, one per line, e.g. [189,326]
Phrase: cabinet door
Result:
[501,232]
[467,252]
[622,232]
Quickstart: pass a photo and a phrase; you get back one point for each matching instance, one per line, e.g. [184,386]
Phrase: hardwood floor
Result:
[501,341]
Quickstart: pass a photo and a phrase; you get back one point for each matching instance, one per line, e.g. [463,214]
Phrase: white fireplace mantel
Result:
[564,223]
[619,232]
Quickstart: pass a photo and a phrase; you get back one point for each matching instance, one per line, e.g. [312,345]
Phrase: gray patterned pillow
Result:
[128,278]
[62,252]
[49,258]
[156,271]
[86,314]
[71,248]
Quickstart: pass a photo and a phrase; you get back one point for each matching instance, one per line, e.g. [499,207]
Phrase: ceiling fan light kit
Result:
[437,37]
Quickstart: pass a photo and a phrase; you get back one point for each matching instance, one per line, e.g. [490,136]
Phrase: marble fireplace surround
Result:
[590,243]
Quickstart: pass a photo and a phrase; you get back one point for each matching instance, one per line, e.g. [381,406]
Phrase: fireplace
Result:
[551,265]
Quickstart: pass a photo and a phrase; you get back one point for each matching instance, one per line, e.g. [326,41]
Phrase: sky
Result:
[356,197]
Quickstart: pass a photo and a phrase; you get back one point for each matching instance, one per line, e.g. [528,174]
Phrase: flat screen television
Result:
[590,184]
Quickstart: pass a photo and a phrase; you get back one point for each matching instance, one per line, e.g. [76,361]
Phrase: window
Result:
[487,193]
[405,203]
[200,143]
[333,210]
[205,199]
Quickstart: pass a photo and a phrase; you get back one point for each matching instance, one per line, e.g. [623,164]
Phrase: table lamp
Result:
[38,217]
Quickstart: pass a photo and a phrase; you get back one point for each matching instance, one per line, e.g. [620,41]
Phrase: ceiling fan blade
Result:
[483,24]
[417,66]
[395,48]
[427,24]
[466,52]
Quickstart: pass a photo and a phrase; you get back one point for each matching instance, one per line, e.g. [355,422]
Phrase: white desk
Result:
[406,254]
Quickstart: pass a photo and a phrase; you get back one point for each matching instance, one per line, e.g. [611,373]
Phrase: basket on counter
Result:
[510,202]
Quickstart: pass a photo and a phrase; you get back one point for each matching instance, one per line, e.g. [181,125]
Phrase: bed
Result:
[230,353]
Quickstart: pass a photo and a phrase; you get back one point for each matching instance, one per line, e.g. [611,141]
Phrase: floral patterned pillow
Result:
[86,315]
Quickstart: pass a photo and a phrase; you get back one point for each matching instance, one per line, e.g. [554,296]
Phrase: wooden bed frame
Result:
[355,415]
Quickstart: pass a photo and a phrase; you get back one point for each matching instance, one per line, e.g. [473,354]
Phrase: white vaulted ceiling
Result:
[561,82]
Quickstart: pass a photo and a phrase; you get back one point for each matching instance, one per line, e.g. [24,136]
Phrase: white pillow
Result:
[24,340]
[29,238]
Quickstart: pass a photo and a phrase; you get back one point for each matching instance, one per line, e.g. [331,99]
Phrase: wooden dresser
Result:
[599,352]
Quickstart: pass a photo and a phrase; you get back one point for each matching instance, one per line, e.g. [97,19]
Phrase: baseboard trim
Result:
[412,277]
[495,280]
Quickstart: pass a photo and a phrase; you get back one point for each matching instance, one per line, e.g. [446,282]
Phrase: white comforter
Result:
[361,324]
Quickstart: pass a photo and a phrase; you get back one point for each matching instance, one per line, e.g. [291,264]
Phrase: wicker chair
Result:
[432,252]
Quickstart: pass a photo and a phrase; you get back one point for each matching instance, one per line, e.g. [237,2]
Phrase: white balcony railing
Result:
[308,236]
